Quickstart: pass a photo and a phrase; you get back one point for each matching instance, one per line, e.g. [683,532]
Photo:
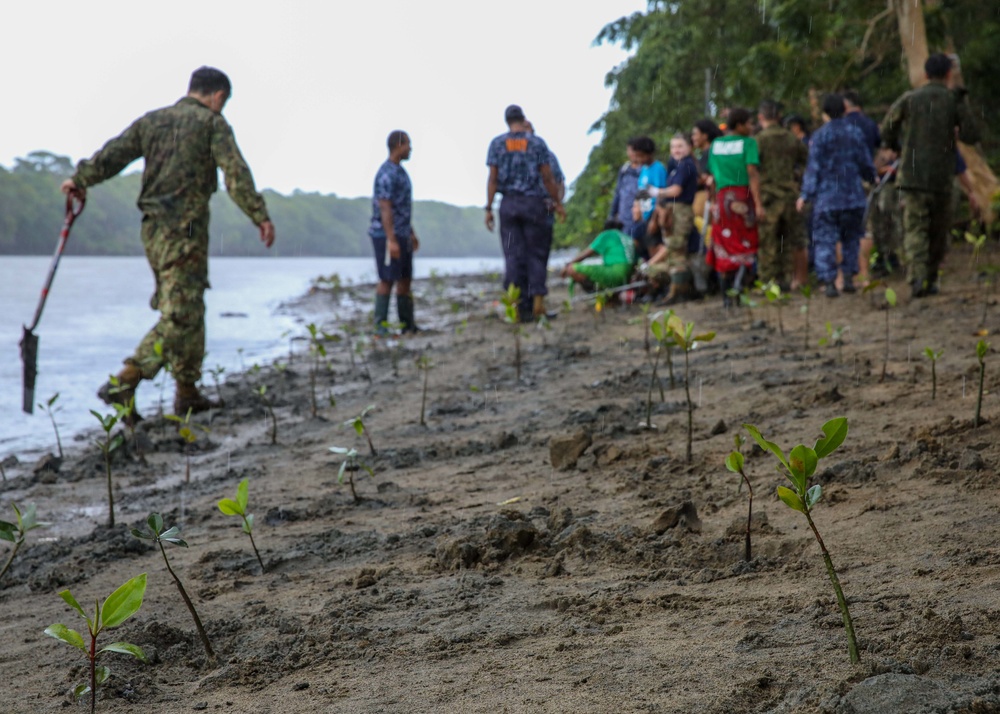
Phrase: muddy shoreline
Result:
[472,575]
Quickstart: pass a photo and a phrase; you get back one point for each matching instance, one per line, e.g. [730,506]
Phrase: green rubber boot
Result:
[404,307]
[381,314]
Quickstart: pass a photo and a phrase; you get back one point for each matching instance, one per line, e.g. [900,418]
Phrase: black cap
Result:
[513,113]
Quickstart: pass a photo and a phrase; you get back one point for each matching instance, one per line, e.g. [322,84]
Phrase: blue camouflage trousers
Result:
[829,228]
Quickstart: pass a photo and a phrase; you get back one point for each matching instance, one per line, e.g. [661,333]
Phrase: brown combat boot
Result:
[189,398]
[121,391]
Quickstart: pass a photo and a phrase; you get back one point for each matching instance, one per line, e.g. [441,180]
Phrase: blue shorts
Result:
[399,268]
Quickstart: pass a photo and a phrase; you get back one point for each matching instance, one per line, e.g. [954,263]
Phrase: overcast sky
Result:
[317,85]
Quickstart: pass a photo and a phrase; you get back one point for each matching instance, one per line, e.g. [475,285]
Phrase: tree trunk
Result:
[913,37]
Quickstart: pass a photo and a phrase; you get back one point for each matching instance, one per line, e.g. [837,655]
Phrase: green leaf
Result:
[248,524]
[81,690]
[734,462]
[139,534]
[343,450]
[7,531]
[67,596]
[890,297]
[765,444]
[171,533]
[340,473]
[813,495]
[124,602]
[982,347]
[834,431]
[175,541]
[28,518]
[705,337]
[802,462]
[155,523]
[125,648]
[230,507]
[243,494]
[102,674]
[359,427]
[791,499]
[64,634]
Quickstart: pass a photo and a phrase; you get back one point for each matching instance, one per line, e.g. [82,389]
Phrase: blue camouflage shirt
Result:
[392,183]
[839,160]
[518,157]
[625,190]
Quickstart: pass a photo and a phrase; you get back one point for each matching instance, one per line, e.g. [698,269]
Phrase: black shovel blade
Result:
[29,355]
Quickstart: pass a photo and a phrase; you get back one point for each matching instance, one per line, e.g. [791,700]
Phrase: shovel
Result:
[29,342]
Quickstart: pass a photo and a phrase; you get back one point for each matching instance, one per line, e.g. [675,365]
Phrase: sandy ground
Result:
[472,576]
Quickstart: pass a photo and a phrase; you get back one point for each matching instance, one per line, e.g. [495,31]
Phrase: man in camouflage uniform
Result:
[782,253]
[183,145]
[520,169]
[921,126]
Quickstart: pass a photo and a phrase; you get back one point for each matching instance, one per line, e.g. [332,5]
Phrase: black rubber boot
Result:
[381,314]
[404,306]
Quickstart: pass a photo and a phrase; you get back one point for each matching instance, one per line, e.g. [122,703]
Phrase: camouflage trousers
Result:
[677,241]
[926,222]
[780,232]
[179,259]
[886,221]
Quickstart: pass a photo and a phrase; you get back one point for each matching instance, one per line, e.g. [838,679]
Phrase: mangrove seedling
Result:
[835,336]
[665,341]
[217,373]
[890,302]
[358,424]
[159,535]
[349,465]
[683,333]
[49,408]
[425,364]
[107,447]
[777,298]
[982,347]
[118,607]
[799,466]
[125,414]
[15,532]
[807,293]
[511,299]
[734,462]
[269,411]
[933,357]
[977,243]
[238,507]
[317,349]
[186,430]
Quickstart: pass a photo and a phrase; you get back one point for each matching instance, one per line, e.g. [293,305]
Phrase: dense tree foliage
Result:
[788,50]
[308,224]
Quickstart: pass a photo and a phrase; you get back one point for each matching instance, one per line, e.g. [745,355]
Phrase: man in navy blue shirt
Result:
[839,163]
[626,187]
[521,170]
[392,234]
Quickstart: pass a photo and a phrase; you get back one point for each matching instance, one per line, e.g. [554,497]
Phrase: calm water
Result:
[98,310]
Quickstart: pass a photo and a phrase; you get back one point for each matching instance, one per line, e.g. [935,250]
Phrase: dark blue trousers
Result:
[829,227]
[526,238]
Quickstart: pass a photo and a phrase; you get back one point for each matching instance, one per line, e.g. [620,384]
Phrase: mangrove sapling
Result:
[425,364]
[159,535]
[238,507]
[982,348]
[51,410]
[15,532]
[186,430]
[734,462]
[317,349]
[807,293]
[835,336]
[118,607]
[774,295]
[890,302]
[510,300]
[269,410]
[799,467]
[683,334]
[107,447]
[217,373]
[977,243]
[349,465]
[933,357]
[358,424]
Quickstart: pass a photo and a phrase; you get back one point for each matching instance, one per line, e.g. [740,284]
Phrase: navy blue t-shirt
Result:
[392,183]
[869,129]
[683,173]
[518,157]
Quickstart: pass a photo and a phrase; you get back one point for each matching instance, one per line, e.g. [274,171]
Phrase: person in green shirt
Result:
[617,252]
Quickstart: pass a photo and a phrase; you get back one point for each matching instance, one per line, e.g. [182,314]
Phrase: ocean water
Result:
[98,310]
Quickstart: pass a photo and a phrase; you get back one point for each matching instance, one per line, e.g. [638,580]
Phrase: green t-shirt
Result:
[614,247]
[728,159]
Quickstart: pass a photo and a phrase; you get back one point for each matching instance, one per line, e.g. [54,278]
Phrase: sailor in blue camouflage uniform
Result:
[540,254]
[840,161]
[520,169]
[391,230]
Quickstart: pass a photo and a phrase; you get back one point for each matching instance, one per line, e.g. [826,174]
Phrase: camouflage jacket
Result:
[782,156]
[184,145]
[921,127]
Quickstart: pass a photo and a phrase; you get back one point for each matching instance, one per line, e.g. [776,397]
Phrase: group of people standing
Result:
[762,200]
